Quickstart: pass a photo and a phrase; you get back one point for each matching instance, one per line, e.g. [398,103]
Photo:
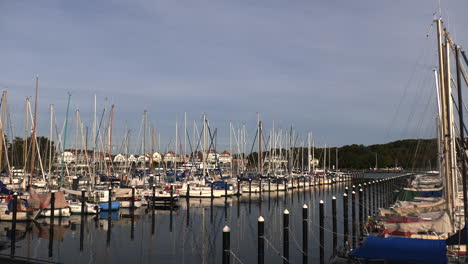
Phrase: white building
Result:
[119,158]
[225,157]
[157,157]
[68,157]
[170,157]
[132,159]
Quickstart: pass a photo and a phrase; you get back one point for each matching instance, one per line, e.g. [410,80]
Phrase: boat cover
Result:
[5,190]
[401,249]
[404,195]
[415,208]
[38,201]
[441,224]
[409,194]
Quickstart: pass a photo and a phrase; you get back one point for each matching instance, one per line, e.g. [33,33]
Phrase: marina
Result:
[172,236]
[233,132]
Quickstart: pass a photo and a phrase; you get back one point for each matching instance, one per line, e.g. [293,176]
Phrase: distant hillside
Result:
[409,153]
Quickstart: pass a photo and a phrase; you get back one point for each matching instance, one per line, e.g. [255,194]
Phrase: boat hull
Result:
[61,212]
[128,204]
[115,205]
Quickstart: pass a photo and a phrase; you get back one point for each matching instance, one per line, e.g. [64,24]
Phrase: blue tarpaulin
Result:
[401,249]
[430,193]
[5,190]
[457,238]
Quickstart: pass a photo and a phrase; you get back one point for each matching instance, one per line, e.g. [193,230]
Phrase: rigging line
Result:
[100,123]
[420,84]
[190,142]
[406,87]
[276,251]
[235,256]
[464,105]
[463,72]
[199,140]
[253,143]
[295,241]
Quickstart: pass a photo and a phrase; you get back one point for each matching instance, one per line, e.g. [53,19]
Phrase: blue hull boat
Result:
[115,205]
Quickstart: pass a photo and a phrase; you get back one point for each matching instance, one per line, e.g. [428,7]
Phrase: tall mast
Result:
[230,147]
[204,154]
[76,139]
[25,147]
[94,141]
[176,143]
[64,141]
[111,122]
[313,153]
[273,156]
[336,158]
[33,137]
[325,158]
[450,125]
[2,128]
[260,159]
[462,136]
[290,160]
[152,148]
[302,157]
[308,152]
[445,114]
[145,114]
[51,135]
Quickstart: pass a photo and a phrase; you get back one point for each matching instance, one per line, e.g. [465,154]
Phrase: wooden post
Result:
[286,236]
[133,199]
[154,196]
[83,193]
[321,239]
[260,241]
[52,205]
[13,225]
[51,230]
[361,211]
[83,201]
[110,201]
[353,217]
[226,245]
[334,224]
[188,191]
[212,192]
[305,232]
[374,198]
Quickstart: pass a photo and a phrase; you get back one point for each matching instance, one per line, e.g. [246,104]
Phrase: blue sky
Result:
[349,71]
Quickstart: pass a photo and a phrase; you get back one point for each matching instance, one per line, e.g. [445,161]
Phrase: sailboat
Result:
[416,227]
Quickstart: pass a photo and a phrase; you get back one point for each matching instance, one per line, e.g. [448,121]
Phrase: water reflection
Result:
[190,233]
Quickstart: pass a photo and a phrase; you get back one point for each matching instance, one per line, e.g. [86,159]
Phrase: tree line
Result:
[409,154]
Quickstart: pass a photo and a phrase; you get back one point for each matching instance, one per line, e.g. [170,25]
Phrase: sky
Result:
[350,72]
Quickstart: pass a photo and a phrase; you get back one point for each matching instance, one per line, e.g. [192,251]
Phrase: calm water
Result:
[192,233]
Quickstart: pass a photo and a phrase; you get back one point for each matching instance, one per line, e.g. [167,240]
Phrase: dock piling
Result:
[345,220]
[13,225]
[353,218]
[334,227]
[321,238]
[305,232]
[260,241]
[226,245]
[286,236]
